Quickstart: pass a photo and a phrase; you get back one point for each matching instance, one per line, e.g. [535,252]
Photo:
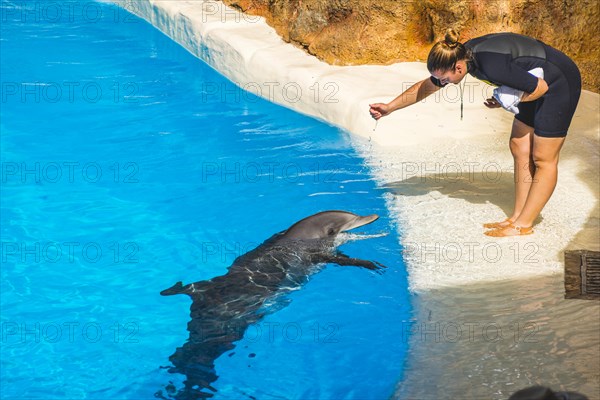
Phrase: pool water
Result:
[125,171]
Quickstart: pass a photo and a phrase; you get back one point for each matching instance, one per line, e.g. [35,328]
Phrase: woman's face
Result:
[451,76]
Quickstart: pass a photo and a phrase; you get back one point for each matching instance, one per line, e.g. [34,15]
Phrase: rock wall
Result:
[350,32]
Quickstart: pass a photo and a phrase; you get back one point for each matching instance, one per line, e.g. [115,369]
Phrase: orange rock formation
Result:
[350,32]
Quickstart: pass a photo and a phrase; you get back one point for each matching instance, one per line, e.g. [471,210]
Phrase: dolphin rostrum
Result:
[223,307]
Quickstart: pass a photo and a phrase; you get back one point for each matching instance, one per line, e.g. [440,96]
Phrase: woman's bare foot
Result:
[510,230]
[495,225]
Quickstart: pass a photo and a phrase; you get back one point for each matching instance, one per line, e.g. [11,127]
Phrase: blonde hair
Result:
[445,53]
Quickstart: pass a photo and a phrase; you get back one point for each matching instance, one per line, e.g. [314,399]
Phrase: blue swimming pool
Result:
[125,171]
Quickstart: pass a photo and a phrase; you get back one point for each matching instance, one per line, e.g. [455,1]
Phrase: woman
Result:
[545,111]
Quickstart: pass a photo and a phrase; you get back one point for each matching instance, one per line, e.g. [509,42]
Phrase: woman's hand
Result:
[491,103]
[378,110]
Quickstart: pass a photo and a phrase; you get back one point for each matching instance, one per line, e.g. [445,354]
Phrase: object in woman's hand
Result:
[509,98]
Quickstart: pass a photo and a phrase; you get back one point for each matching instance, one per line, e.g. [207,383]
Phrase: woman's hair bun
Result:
[451,38]
[445,53]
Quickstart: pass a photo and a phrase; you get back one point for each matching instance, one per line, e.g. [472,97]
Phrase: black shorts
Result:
[551,114]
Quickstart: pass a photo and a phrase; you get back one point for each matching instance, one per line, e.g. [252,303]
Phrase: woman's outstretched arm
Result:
[410,96]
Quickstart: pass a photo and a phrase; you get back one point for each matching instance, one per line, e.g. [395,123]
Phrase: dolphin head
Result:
[326,225]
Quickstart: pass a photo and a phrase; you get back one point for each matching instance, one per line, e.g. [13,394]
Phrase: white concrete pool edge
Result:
[439,221]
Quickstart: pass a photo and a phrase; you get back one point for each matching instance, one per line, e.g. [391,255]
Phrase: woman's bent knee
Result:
[520,149]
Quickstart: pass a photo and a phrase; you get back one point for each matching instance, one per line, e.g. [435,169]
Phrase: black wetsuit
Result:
[505,59]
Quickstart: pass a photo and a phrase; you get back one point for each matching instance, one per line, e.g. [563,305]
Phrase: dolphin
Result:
[223,307]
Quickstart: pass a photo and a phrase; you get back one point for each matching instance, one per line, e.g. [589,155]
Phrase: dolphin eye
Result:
[331,232]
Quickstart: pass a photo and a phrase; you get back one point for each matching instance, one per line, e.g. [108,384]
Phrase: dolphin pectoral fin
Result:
[193,290]
[344,260]
[177,288]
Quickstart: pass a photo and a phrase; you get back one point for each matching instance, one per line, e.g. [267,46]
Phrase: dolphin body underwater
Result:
[223,307]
